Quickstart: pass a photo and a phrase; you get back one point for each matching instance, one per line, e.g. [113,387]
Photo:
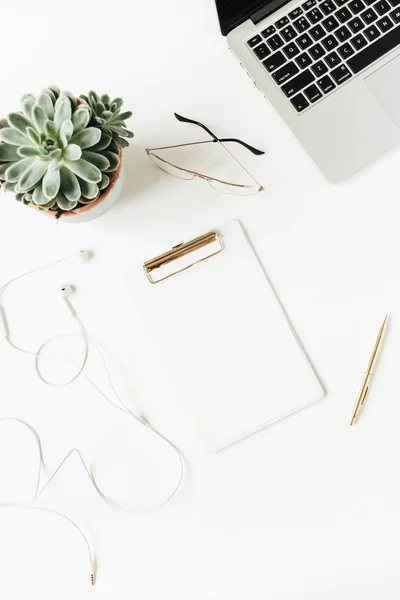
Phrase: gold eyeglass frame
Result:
[251,188]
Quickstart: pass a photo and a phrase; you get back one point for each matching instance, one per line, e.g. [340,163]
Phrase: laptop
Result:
[331,68]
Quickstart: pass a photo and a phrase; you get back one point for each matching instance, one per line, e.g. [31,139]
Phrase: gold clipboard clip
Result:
[181,251]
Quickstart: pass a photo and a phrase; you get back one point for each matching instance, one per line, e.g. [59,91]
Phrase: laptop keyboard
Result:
[321,44]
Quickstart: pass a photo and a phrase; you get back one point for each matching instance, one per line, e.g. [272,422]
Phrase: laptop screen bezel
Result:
[258,10]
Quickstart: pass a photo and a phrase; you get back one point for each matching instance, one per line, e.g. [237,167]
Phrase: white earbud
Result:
[83,256]
[66,291]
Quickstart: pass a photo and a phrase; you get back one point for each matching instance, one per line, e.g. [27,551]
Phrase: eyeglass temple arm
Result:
[251,148]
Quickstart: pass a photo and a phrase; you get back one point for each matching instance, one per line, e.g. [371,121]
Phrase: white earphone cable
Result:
[121,406]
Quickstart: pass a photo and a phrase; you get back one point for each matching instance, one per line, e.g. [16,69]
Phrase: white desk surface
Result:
[307,509]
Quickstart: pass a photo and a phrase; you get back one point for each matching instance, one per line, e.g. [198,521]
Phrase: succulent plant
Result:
[53,154]
[106,114]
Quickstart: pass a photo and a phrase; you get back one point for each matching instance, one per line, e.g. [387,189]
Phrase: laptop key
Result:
[341,74]
[285,72]
[309,4]
[319,68]
[317,32]
[346,51]
[326,84]
[330,42]
[340,2]
[371,33]
[356,6]
[332,60]
[369,16]
[394,2]
[291,50]
[312,93]
[296,13]
[299,102]
[254,41]
[304,41]
[385,24]
[343,34]
[359,42]
[303,60]
[297,83]
[268,31]
[356,25]
[317,51]
[275,42]
[288,33]
[261,51]
[274,62]
[315,15]
[382,7]
[330,24]
[395,15]
[282,22]
[327,7]
[301,24]
[344,14]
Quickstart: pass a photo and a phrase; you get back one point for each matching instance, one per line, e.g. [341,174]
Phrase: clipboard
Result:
[217,323]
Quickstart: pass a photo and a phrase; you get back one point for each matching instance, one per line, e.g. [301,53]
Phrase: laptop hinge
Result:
[267,10]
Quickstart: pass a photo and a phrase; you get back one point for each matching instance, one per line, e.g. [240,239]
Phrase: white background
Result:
[304,510]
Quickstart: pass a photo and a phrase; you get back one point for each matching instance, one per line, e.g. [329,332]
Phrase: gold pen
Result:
[368,374]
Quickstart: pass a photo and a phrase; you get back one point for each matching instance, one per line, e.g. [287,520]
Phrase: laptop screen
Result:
[233,12]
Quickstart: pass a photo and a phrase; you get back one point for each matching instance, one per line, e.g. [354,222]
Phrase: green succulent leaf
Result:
[15,170]
[50,129]
[56,90]
[121,131]
[33,175]
[72,152]
[63,140]
[113,159]
[87,137]
[48,204]
[8,153]
[13,137]
[105,98]
[100,161]
[45,102]
[67,129]
[51,184]
[116,104]
[56,164]
[8,186]
[105,141]
[124,116]
[56,154]
[19,122]
[39,118]
[33,136]
[28,102]
[3,169]
[105,181]
[63,110]
[85,170]
[64,203]
[81,118]
[89,191]
[38,196]
[28,151]
[70,185]
[93,97]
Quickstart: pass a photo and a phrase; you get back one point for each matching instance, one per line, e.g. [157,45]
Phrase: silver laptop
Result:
[331,68]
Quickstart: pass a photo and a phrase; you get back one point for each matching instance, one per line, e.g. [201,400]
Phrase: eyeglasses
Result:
[218,184]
